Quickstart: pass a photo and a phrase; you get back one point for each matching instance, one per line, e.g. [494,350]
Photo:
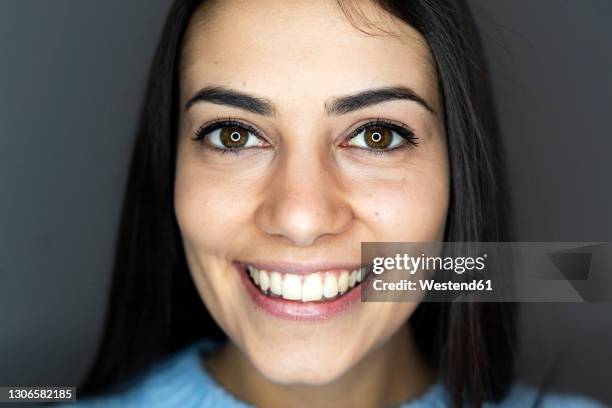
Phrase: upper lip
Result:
[304,268]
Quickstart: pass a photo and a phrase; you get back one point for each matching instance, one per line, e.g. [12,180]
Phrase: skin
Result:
[307,195]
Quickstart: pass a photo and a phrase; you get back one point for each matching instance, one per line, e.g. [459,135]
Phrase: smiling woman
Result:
[275,138]
[284,166]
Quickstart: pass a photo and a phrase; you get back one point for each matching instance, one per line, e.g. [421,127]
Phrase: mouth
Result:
[302,292]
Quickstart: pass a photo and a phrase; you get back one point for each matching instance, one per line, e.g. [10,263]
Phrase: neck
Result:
[390,375]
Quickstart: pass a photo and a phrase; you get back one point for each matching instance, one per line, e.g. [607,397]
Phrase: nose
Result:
[304,202]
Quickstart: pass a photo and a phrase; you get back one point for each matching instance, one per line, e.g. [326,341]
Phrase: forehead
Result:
[302,48]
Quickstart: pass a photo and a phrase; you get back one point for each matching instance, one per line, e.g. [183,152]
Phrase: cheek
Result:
[410,208]
[211,213]
[210,209]
[411,211]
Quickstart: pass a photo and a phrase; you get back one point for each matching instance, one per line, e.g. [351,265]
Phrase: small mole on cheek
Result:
[244,84]
[376,213]
[216,62]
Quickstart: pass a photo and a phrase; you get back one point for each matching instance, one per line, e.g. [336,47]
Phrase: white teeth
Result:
[330,286]
[307,288]
[352,278]
[276,283]
[312,288]
[256,276]
[292,287]
[343,282]
[264,280]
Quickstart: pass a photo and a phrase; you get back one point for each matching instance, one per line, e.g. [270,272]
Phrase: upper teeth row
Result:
[307,288]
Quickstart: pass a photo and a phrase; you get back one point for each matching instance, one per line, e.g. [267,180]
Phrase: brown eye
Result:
[229,136]
[382,137]
[378,137]
[233,136]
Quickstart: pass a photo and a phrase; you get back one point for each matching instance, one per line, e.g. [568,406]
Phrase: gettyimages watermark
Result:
[487,272]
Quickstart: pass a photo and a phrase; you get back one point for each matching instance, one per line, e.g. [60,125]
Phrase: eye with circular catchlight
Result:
[381,136]
[229,136]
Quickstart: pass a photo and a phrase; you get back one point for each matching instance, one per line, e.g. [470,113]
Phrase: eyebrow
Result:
[338,106]
[229,97]
[350,103]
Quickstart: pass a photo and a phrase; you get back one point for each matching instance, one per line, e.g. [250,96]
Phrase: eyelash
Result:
[402,130]
[220,123]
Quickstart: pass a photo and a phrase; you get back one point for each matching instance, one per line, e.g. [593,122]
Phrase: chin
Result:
[313,359]
[314,371]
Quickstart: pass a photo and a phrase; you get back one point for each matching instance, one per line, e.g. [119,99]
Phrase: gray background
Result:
[71,79]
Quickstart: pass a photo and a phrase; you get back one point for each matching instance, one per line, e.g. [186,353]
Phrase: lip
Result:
[295,310]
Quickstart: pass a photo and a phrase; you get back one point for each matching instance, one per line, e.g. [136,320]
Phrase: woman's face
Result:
[300,137]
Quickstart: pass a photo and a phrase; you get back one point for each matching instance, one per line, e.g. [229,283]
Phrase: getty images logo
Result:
[412,264]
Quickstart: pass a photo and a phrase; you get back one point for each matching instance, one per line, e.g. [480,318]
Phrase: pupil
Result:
[376,137]
[235,136]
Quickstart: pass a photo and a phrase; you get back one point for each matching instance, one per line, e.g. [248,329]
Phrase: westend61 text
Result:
[430,284]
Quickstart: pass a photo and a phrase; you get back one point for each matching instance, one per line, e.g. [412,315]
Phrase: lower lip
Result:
[294,310]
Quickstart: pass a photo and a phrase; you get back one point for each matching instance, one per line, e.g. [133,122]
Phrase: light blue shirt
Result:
[181,381]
